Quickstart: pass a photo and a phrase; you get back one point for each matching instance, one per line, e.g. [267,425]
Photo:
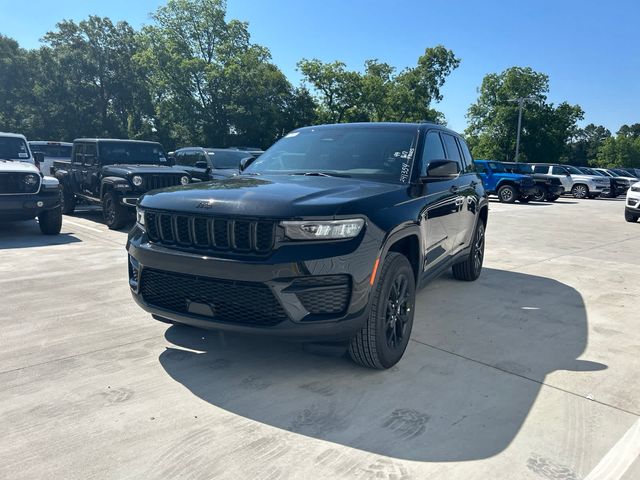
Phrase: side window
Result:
[201,157]
[470,166]
[540,169]
[480,168]
[186,158]
[558,171]
[89,154]
[452,149]
[433,150]
[78,154]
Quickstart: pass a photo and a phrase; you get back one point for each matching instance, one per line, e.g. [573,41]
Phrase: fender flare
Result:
[107,184]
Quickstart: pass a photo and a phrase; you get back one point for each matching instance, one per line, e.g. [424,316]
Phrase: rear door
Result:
[91,171]
[440,214]
[186,159]
[77,167]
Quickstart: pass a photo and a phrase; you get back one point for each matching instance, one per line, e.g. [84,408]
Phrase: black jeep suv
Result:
[114,173]
[324,238]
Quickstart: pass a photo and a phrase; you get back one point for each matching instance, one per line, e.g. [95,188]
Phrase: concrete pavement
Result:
[528,373]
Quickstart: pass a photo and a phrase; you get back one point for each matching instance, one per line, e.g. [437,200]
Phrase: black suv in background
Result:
[114,173]
[325,237]
[548,188]
[210,163]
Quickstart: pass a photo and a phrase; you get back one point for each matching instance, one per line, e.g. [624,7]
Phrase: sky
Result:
[589,49]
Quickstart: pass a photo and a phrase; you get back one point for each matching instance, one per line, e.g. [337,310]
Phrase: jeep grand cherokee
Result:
[324,237]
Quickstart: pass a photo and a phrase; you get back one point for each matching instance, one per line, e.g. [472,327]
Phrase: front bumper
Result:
[28,206]
[217,288]
[632,202]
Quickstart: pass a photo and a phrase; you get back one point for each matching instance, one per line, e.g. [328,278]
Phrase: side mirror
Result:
[171,160]
[245,162]
[441,169]
[201,164]
[38,158]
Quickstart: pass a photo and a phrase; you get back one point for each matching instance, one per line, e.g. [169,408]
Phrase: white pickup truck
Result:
[24,192]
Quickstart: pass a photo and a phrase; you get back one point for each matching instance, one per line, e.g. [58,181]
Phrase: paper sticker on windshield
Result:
[162,159]
[23,155]
[292,134]
[406,154]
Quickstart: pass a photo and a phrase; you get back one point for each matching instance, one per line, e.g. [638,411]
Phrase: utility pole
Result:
[520,102]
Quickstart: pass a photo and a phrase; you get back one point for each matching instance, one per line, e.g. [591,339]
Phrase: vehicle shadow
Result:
[94,214]
[463,390]
[27,234]
[527,204]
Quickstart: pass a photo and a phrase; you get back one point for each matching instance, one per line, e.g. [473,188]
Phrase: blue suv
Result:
[508,187]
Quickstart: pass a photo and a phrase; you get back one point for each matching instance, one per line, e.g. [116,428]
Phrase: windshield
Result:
[497,167]
[130,153]
[227,158]
[380,154]
[573,169]
[13,148]
[54,151]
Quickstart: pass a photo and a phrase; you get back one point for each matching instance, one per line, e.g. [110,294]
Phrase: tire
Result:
[524,199]
[540,196]
[580,191]
[50,221]
[630,217]
[552,198]
[384,338]
[507,194]
[115,214]
[68,200]
[470,269]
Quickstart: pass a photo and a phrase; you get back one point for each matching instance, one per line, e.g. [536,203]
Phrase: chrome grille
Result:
[210,233]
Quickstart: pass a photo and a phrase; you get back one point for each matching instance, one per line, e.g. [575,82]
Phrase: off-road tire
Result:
[67,200]
[370,346]
[507,194]
[630,217]
[115,214]
[50,221]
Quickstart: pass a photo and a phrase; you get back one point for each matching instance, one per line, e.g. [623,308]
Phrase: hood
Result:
[124,169]
[18,166]
[592,178]
[281,196]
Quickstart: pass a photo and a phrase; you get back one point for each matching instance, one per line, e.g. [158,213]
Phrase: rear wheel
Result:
[540,195]
[470,269]
[50,221]
[115,214]
[507,194]
[580,191]
[382,341]
[630,217]
[67,200]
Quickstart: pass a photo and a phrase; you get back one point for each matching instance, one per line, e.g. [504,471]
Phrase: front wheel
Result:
[540,195]
[507,194]
[580,191]
[382,341]
[50,221]
[115,214]
[470,269]
[630,217]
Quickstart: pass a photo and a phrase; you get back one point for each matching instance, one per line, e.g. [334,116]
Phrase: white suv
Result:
[573,180]
[24,192]
[632,204]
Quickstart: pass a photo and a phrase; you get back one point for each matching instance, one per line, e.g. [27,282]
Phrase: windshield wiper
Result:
[321,174]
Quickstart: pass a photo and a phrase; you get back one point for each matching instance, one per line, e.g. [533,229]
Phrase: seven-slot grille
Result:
[210,233]
[14,183]
[151,182]
[246,303]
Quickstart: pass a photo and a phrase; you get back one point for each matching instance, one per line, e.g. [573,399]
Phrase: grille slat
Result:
[14,183]
[211,233]
[245,303]
[153,182]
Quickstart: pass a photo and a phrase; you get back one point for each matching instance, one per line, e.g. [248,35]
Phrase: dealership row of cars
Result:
[325,237]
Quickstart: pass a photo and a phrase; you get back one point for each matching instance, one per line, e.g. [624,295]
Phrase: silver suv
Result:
[573,180]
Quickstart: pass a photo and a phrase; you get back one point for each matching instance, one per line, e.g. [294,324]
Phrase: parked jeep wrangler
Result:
[547,187]
[114,174]
[509,187]
[24,192]
[325,238]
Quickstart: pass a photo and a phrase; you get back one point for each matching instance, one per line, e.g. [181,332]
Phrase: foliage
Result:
[493,118]
[585,144]
[620,151]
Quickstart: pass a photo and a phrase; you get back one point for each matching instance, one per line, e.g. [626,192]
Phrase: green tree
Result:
[16,85]
[380,94]
[585,144]
[620,151]
[629,130]
[493,118]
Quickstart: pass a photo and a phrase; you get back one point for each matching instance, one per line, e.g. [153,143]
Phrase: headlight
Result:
[140,217]
[31,179]
[323,230]
[184,180]
[137,180]
[635,188]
